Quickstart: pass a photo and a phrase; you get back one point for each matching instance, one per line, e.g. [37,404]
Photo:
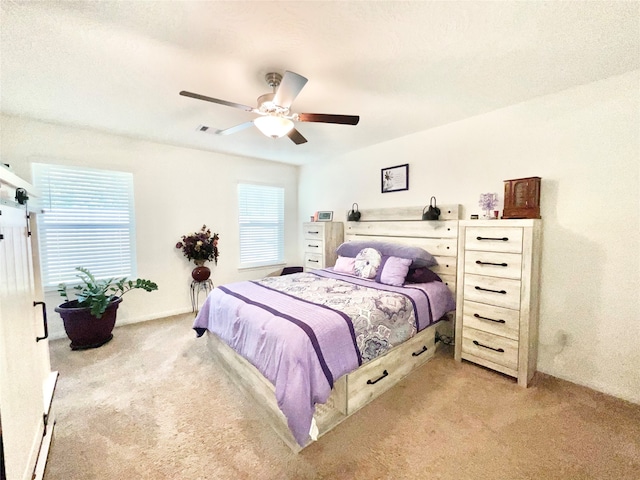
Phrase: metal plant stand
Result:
[196,287]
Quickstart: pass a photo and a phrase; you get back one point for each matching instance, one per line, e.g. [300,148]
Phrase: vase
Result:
[201,272]
[83,329]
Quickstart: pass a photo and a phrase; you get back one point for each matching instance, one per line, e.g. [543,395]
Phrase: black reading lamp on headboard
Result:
[21,196]
[431,211]
[354,214]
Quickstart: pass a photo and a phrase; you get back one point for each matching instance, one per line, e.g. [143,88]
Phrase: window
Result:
[88,221]
[261,219]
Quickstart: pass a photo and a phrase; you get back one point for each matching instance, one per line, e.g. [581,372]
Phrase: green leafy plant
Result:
[97,294]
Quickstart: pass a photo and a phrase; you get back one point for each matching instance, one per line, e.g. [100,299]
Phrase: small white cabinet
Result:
[320,241]
[497,299]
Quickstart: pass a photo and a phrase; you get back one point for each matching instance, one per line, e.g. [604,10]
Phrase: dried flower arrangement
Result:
[200,246]
[488,201]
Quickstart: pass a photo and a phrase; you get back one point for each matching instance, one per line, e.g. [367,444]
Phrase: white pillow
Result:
[367,262]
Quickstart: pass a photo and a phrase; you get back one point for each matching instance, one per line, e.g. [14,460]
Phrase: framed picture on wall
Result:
[394,179]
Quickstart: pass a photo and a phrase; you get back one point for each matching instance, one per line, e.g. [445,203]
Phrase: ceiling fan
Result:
[275,119]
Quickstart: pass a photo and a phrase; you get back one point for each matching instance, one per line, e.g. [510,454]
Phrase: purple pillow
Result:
[345,265]
[393,270]
[419,256]
[422,275]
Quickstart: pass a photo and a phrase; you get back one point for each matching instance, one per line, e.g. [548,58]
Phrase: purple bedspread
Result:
[299,340]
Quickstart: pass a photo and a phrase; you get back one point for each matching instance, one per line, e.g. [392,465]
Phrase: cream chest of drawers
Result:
[320,241]
[497,296]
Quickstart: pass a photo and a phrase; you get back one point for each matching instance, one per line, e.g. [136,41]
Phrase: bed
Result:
[314,347]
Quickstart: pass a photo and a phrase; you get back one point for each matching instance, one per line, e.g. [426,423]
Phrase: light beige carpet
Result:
[151,405]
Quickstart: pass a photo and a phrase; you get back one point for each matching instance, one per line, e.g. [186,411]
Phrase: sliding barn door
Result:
[21,375]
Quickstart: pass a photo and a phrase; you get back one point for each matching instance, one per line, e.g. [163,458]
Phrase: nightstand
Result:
[321,239]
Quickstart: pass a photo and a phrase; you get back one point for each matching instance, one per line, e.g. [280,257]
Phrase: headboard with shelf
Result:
[404,225]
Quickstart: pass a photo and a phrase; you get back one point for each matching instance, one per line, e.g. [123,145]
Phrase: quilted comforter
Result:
[304,331]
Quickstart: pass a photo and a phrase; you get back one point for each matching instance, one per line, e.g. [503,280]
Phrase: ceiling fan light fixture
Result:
[275,118]
[274,127]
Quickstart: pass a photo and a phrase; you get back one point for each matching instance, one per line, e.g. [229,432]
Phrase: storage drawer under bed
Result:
[370,380]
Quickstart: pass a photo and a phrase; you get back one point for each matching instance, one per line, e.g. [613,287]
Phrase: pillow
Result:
[367,262]
[393,270]
[422,275]
[345,265]
[419,256]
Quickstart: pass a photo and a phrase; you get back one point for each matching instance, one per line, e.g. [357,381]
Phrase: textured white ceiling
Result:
[402,66]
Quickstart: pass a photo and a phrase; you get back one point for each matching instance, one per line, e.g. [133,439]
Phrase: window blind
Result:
[261,219]
[88,221]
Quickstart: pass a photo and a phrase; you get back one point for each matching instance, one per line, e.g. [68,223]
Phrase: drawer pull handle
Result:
[314,261]
[314,233]
[371,382]
[487,318]
[419,352]
[503,239]
[316,246]
[503,292]
[500,350]
[478,262]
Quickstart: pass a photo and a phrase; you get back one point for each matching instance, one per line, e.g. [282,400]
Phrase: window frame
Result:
[279,258]
[114,225]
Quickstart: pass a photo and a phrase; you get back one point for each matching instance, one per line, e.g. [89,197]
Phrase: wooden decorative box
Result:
[522,198]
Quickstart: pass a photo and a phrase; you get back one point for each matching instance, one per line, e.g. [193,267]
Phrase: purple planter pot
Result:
[83,329]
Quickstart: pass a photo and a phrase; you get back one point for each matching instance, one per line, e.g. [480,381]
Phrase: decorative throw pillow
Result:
[367,262]
[393,270]
[422,275]
[345,265]
[419,256]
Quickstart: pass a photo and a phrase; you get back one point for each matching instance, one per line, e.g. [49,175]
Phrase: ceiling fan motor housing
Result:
[273,79]
[266,105]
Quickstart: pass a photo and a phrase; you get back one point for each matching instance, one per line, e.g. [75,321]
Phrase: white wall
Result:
[177,190]
[585,144]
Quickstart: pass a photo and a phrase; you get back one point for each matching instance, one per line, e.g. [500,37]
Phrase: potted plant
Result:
[200,247]
[90,317]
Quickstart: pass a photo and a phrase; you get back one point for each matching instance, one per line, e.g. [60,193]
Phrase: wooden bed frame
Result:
[354,390]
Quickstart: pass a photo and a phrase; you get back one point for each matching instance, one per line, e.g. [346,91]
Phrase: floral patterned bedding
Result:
[382,317]
[304,331]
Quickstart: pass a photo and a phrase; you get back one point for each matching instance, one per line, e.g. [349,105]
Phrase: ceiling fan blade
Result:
[216,100]
[327,118]
[237,128]
[296,137]
[289,88]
